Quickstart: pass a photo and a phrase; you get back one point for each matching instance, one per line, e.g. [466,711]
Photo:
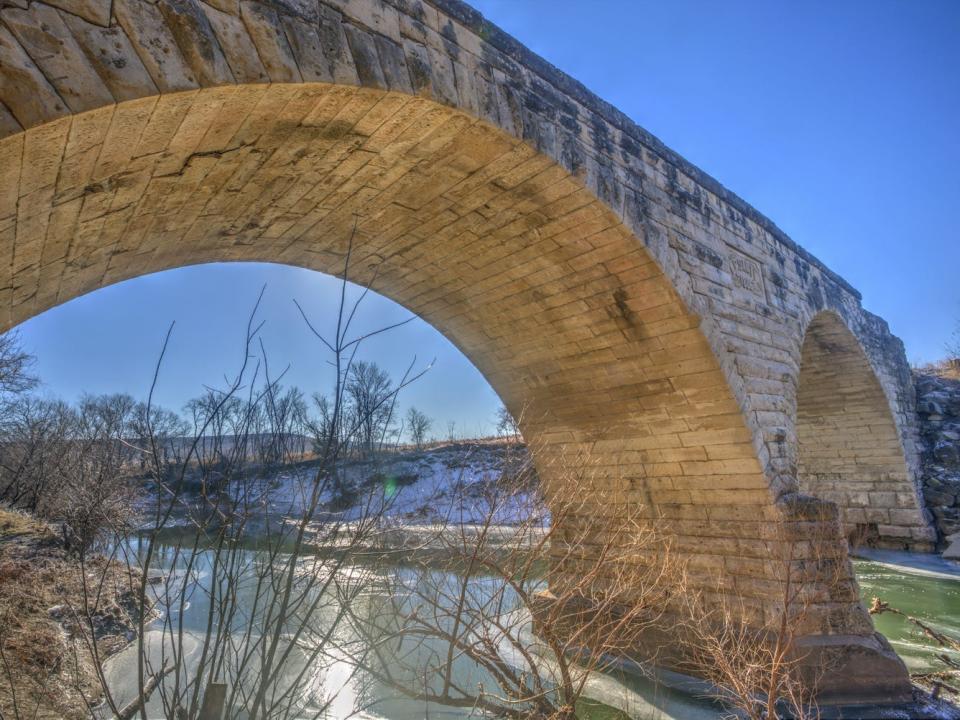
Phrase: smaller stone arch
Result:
[849,450]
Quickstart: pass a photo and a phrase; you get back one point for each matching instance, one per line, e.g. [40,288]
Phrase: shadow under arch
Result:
[509,255]
[849,450]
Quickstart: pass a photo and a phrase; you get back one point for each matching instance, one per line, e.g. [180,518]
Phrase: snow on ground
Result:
[459,483]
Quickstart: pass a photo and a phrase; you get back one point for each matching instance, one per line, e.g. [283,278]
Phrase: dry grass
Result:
[948,368]
[46,670]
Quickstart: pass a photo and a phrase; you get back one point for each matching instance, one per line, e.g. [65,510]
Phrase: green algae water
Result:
[930,596]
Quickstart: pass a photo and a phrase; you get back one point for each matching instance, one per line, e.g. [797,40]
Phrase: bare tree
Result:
[94,491]
[507,426]
[419,425]
[286,413]
[68,465]
[35,438]
[16,365]
[165,428]
[321,424]
[369,390]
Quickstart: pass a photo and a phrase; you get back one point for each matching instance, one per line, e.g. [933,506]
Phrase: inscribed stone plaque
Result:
[746,273]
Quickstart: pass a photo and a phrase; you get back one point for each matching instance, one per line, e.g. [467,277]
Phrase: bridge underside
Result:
[608,291]
[849,451]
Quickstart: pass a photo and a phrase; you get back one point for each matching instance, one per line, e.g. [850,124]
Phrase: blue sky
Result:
[839,120]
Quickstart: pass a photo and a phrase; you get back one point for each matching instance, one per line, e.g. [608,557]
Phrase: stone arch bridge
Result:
[633,306]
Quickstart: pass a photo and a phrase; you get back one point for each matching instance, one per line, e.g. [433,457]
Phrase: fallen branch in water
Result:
[878,607]
[934,679]
[133,707]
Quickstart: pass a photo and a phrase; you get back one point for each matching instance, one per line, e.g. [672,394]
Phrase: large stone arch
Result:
[636,309]
[850,451]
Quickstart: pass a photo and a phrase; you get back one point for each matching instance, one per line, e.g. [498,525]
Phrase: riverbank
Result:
[57,619]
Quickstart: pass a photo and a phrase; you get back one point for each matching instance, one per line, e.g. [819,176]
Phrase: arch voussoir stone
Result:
[634,309]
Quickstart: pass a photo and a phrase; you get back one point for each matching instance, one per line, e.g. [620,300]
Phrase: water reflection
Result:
[322,671]
[330,686]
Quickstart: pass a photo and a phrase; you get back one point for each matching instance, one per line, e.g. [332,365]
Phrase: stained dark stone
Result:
[600,135]
[393,64]
[449,35]
[814,295]
[365,57]
[708,256]
[571,153]
[194,36]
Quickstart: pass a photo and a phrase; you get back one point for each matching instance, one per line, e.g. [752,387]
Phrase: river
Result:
[332,686]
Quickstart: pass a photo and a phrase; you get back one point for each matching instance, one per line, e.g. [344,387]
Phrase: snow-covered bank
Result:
[911,563]
[458,483]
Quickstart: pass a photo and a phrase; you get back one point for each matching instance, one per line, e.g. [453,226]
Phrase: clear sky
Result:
[839,120]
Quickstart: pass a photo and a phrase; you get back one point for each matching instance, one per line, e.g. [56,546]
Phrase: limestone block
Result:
[905,517]
[894,531]
[94,11]
[198,44]
[237,46]
[418,63]
[155,44]
[306,10]
[952,551]
[924,534]
[113,57]
[227,6]
[442,77]
[11,155]
[8,123]
[23,88]
[394,65]
[321,49]
[365,57]
[379,17]
[267,32]
[46,38]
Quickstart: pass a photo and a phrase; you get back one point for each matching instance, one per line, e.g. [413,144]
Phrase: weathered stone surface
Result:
[380,17]
[198,44]
[227,6]
[363,46]
[632,309]
[46,39]
[155,44]
[306,10]
[113,57]
[431,73]
[8,123]
[24,89]
[394,65]
[321,50]
[94,11]
[237,46]
[862,670]
[264,27]
[952,551]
